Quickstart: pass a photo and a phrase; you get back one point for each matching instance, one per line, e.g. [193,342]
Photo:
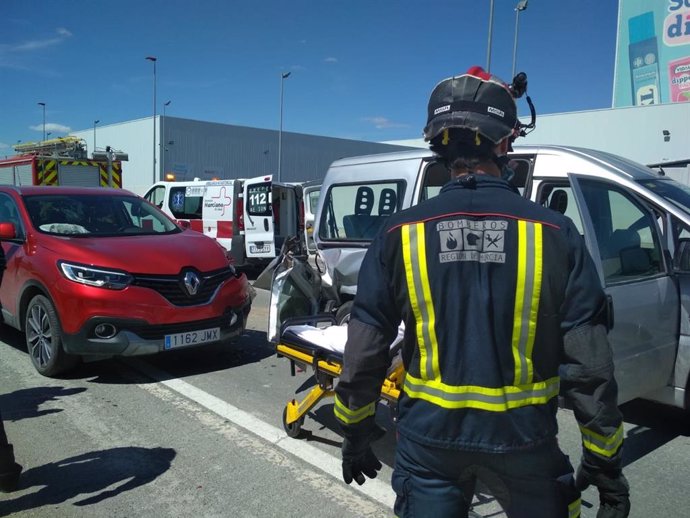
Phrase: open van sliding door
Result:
[259,231]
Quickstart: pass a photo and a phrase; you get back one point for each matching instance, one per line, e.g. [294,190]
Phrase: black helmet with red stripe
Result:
[477,102]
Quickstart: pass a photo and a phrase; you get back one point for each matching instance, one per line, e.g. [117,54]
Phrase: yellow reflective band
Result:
[527,294]
[536,294]
[419,290]
[493,399]
[428,302]
[607,446]
[347,416]
[575,508]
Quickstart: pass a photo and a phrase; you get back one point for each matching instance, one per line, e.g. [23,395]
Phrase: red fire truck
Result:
[62,161]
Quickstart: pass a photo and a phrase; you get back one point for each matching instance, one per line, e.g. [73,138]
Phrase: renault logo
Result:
[191,283]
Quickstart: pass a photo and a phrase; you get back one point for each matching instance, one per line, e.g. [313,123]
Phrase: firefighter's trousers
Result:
[439,483]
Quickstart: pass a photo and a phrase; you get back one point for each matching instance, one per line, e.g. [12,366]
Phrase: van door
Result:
[295,289]
[217,212]
[259,232]
[310,201]
[625,241]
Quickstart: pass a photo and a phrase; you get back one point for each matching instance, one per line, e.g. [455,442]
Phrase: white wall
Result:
[134,138]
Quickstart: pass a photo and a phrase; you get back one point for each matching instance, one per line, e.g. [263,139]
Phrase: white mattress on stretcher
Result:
[332,338]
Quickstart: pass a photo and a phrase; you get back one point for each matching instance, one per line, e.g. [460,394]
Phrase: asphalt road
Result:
[199,433]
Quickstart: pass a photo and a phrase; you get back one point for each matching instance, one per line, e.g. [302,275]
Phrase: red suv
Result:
[100,272]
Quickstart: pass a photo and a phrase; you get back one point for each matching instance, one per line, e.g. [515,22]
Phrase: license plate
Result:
[259,249]
[192,338]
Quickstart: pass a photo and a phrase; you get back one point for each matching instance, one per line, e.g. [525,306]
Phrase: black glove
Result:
[614,491]
[358,457]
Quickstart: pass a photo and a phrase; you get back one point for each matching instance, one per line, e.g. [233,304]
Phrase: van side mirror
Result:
[681,260]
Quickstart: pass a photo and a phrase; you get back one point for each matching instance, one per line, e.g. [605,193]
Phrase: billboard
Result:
[653,53]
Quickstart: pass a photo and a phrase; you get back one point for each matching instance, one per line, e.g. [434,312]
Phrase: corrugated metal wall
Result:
[210,150]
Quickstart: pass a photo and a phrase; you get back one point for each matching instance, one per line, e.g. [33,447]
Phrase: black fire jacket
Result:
[503,310]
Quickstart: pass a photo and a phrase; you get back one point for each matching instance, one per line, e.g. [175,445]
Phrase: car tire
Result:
[342,316]
[44,338]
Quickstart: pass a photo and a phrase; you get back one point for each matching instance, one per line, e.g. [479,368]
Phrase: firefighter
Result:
[503,310]
[9,469]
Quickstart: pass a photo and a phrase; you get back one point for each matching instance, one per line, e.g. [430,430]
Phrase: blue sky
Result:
[360,69]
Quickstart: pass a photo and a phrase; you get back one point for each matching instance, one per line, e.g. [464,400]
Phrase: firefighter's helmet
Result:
[476,107]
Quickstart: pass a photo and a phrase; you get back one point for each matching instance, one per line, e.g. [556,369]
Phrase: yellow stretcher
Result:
[326,363]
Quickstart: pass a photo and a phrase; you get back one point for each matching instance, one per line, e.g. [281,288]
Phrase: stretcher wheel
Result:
[293,430]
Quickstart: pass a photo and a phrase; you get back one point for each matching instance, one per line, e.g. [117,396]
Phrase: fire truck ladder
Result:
[68,147]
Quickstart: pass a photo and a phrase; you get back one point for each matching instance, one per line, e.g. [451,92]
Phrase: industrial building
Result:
[188,149]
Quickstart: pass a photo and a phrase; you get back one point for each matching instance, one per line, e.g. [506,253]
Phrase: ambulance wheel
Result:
[293,430]
[342,316]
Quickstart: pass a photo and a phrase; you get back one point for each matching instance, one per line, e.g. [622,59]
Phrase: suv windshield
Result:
[356,212]
[675,192]
[82,215]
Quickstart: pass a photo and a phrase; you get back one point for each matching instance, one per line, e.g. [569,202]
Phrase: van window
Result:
[435,177]
[259,199]
[156,196]
[559,196]
[186,202]
[356,212]
[313,201]
[626,232]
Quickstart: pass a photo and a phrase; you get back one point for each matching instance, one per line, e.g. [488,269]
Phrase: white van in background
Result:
[251,218]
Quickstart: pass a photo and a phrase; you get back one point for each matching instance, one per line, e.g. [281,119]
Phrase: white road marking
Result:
[374,488]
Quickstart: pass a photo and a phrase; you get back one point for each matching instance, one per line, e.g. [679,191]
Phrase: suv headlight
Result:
[91,276]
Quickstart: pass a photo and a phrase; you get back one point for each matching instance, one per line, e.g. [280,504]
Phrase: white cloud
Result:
[62,35]
[384,122]
[52,127]
[331,59]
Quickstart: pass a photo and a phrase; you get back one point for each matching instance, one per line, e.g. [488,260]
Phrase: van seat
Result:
[362,226]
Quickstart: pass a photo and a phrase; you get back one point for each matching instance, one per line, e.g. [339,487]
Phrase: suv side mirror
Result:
[7,231]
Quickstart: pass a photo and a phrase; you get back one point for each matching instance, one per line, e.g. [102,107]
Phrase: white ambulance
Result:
[251,218]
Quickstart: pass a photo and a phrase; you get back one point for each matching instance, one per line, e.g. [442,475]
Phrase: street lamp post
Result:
[283,77]
[491,30]
[44,119]
[153,59]
[94,133]
[521,6]
[164,139]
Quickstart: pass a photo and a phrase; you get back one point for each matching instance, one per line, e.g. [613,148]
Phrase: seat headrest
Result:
[559,201]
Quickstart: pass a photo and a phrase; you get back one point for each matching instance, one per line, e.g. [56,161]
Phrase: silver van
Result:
[635,222]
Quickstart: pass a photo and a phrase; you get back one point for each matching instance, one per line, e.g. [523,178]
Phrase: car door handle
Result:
[266,225]
[609,312]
